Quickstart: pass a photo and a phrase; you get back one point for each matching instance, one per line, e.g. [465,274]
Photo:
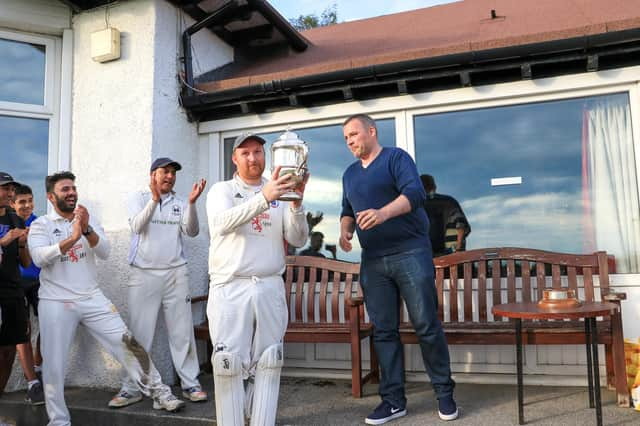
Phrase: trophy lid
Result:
[289,138]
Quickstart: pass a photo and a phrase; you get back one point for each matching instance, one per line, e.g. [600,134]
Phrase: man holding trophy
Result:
[250,217]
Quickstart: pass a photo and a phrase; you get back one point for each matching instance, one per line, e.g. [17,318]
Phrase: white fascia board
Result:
[575,85]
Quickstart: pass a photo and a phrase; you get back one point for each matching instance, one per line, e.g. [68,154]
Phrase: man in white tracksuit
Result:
[65,244]
[247,309]
[159,219]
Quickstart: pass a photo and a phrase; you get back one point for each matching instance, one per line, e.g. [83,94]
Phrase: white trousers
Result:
[58,324]
[150,289]
[246,316]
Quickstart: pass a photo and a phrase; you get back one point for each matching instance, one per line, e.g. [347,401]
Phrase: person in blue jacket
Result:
[383,201]
[30,361]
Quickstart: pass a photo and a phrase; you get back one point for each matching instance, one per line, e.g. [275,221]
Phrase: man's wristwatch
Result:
[88,232]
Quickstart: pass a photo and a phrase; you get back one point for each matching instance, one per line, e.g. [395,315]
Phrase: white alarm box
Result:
[105,45]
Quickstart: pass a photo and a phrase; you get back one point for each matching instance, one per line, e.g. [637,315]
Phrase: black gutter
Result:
[530,51]
[219,15]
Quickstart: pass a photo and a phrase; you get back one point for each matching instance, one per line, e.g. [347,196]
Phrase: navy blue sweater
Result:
[392,172]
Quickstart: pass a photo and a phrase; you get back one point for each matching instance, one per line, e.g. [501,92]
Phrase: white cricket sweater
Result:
[157,229]
[248,233]
[69,276]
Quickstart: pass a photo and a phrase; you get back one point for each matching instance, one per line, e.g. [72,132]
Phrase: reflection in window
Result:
[24,147]
[22,72]
[328,159]
[575,159]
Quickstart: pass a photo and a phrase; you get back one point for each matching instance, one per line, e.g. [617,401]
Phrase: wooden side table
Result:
[589,311]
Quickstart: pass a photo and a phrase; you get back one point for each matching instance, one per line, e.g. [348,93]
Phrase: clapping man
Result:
[159,220]
[65,244]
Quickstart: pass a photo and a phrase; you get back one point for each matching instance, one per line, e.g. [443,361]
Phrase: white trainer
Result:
[123,399]
[168,402]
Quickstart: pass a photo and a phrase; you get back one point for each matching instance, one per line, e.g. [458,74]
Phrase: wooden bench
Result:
[488,277]
[325,306]
[520,274]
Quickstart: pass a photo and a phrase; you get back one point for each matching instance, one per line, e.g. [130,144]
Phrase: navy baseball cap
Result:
[245,137]
[164,162]
[5,179]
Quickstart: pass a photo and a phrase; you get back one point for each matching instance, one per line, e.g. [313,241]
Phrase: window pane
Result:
[575,160]
[24,147]
[328,159]
[229,167]
[22,72]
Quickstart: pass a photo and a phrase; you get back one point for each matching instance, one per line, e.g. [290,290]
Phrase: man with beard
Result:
[65,243]
[15,319]
[247,309]
[159,220]
[382,200]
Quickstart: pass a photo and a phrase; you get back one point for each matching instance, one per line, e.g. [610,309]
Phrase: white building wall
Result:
[124,114]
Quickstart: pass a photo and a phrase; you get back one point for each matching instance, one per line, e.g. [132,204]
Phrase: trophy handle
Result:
[302,165]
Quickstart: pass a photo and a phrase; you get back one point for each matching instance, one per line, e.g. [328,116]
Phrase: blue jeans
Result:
[408,275]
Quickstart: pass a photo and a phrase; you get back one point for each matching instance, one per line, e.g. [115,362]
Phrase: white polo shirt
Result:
[157,229]
[68,276]
[247,232]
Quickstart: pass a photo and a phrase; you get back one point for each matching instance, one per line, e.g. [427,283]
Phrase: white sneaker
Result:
[124,398]
[168,402]
[194,394]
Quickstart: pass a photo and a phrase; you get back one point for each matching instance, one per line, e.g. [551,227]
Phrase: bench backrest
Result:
[313,285]
[490,276]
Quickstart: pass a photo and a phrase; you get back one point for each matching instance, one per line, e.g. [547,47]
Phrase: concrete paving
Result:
[308,401]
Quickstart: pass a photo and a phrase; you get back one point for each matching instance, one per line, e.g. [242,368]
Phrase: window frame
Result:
[58,64]
[49,43]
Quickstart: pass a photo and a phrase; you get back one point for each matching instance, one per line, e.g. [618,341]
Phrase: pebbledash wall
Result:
[123,114]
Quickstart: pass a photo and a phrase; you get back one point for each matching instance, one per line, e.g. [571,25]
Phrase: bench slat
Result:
[324,283]
[526,281]
[482,291]
[299,294]
[511,281]
[335,297]
[440,291]
[468,292]
[496,285]
[541,282]
[453,293]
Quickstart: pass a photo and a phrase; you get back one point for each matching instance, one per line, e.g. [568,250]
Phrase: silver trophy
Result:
[290,153]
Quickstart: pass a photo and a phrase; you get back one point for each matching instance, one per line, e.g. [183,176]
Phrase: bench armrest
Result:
[614,296]
[355,301]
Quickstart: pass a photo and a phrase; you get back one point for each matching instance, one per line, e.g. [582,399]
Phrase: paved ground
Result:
[306,401]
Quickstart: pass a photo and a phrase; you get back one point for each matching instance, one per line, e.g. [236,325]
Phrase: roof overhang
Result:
[474,68]
[247,23]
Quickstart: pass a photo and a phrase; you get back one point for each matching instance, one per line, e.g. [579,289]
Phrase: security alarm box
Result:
[105,45]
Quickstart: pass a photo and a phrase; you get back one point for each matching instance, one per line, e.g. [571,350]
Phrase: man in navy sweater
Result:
[382,201]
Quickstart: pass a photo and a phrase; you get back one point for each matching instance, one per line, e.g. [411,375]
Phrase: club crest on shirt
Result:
[275,204]
[258,223]
[74,255]
[176,210]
